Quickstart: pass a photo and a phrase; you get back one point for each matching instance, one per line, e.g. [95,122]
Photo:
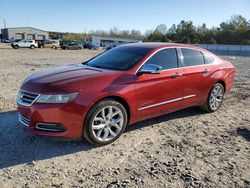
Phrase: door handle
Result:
[176,75]
[205,71]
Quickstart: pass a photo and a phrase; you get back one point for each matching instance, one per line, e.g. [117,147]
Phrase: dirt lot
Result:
[184,149]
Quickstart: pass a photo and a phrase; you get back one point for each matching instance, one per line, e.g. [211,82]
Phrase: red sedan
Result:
[97,99]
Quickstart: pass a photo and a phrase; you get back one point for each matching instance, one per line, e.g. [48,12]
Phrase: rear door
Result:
[196,77]
[28,43]
[22,43]
[70,46]
[158,94]
[74,46]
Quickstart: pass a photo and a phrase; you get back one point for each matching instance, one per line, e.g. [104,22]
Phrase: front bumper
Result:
[54,120]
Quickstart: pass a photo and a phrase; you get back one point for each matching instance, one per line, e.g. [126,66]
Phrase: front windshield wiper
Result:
[96,66]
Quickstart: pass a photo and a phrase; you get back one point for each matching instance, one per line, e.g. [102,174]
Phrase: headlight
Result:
[60,98]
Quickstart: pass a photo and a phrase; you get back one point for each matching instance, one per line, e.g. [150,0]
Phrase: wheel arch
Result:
[121,100]
[215,82]
[223,83]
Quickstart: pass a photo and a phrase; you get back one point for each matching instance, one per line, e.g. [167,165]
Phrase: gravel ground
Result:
[183,149]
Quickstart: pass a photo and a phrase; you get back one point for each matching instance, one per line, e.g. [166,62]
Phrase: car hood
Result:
[59,78]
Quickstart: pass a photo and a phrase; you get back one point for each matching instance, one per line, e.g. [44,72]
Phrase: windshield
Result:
[119,58]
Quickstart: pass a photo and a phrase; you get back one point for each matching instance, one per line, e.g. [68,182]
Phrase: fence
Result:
[243,50]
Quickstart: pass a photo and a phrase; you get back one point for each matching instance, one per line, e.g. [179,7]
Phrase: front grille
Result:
[26,98]
[25,121]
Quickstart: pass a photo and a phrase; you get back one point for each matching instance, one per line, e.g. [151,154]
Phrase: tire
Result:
[102,128]
[15,46]
[32,47]
[214,100]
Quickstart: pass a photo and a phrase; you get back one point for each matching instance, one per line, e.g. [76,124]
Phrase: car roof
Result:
[158,45]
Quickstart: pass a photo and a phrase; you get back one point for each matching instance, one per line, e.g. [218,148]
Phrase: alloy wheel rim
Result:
[216,97]
[107,123]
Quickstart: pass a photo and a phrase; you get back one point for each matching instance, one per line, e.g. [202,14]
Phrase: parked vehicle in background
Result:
[40,43]
[87,45]
[72,46]
[91,46]
[94,47]
[100,97]
[111,46]
[8,40]
[54,44]
[24,44]
[17,40]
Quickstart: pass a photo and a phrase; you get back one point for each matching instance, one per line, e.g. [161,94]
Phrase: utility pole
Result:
[4,23]
[85,34]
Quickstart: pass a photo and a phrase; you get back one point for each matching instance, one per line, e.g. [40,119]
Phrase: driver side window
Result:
[166,58]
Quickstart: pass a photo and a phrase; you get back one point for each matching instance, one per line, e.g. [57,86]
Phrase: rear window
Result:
[192,57]
[208,58]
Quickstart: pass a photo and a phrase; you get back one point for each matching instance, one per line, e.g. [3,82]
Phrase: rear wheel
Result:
[105,122]
[215,98]
[32,47]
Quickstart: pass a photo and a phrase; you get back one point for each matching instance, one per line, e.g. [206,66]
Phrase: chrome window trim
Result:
[178,57]
[166,102]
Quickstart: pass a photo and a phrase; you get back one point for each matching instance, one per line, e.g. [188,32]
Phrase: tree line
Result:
[236,30]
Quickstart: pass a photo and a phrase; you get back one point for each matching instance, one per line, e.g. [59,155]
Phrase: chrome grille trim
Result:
[47,129]
[25,121]
[26,98]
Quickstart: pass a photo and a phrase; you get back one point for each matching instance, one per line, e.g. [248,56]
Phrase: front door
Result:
[157,94]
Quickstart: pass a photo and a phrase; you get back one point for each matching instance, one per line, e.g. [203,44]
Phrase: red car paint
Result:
[145,96]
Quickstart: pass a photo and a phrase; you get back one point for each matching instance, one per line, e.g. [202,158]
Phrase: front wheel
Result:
[215,98]
[105,122]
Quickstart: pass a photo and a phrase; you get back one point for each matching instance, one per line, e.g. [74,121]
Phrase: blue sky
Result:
[78,15]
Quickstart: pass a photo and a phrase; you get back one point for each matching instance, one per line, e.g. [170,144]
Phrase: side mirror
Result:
[150,69]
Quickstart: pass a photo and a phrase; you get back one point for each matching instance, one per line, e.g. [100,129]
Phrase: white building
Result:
[97,40]
[24,33]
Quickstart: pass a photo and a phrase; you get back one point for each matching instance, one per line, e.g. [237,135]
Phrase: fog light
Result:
[54,127]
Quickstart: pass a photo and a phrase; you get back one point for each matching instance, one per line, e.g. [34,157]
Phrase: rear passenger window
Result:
[166,58]
[192,57]
[208,59]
